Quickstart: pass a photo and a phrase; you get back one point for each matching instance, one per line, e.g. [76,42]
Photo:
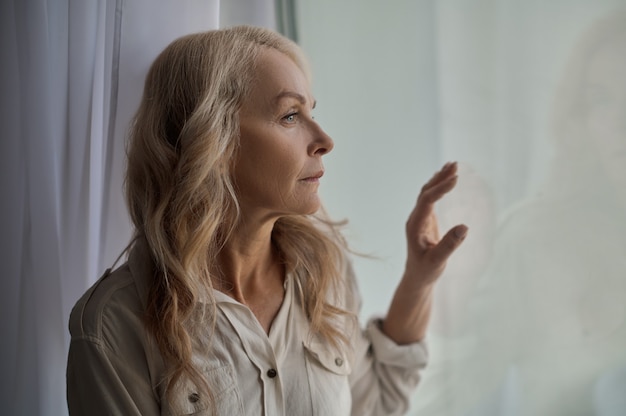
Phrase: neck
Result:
[249,264]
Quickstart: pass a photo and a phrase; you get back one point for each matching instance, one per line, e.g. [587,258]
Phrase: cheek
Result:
[283,162]
[263,174]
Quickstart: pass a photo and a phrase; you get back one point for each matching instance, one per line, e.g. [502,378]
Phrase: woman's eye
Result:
[290,118]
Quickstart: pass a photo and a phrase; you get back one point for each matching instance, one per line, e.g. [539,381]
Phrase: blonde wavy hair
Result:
[182,199]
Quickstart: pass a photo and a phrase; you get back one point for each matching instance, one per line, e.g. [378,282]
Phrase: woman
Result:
[236,298]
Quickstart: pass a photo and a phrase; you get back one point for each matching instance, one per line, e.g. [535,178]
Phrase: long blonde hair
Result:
[182,199]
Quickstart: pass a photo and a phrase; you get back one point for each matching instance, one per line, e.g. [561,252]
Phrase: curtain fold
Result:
[286,21]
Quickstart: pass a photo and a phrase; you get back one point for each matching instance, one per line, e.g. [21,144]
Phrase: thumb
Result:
[450,242]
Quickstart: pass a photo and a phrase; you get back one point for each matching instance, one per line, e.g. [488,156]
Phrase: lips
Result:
[314,177]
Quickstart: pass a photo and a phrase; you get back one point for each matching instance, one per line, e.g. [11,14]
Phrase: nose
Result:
[321,143]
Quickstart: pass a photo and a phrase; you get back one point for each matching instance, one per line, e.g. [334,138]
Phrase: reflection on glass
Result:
[544,331]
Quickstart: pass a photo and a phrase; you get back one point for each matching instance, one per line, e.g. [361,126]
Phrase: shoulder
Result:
[110,311]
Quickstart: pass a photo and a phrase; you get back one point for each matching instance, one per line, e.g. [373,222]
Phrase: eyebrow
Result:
[291,94]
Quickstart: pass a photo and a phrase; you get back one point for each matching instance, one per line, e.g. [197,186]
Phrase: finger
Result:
[436,192]
[448,170]
[426,200]
[450,242]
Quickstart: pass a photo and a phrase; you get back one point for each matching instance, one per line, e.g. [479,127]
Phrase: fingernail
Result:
[448,165]
[460,231]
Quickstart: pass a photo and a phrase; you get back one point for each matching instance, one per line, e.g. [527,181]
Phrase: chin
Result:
[310,209]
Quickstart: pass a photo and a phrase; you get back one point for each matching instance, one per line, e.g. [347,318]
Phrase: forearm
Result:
[409,313]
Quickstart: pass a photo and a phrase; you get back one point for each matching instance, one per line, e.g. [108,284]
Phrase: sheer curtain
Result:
[72,75]
[530,98]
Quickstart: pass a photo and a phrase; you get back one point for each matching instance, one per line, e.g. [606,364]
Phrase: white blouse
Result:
[114,366]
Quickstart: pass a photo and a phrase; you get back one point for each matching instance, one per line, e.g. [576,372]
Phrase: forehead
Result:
[277,73]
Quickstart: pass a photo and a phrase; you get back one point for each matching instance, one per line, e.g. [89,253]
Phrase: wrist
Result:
[408,315]
[413,287]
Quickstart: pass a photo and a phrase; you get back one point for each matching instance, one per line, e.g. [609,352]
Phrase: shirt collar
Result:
[143,270]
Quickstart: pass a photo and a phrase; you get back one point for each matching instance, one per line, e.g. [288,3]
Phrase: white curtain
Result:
[71,78]
[530,98]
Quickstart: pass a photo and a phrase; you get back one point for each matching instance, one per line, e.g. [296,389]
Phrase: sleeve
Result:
[99,383]
[384,374]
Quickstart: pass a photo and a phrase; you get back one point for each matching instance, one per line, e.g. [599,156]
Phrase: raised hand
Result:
[427,253]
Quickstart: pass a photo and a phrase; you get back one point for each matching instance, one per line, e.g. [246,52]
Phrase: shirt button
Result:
[271,373]
[338,362]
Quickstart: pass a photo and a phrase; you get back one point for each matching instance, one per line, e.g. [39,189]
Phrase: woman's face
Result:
[279,165]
